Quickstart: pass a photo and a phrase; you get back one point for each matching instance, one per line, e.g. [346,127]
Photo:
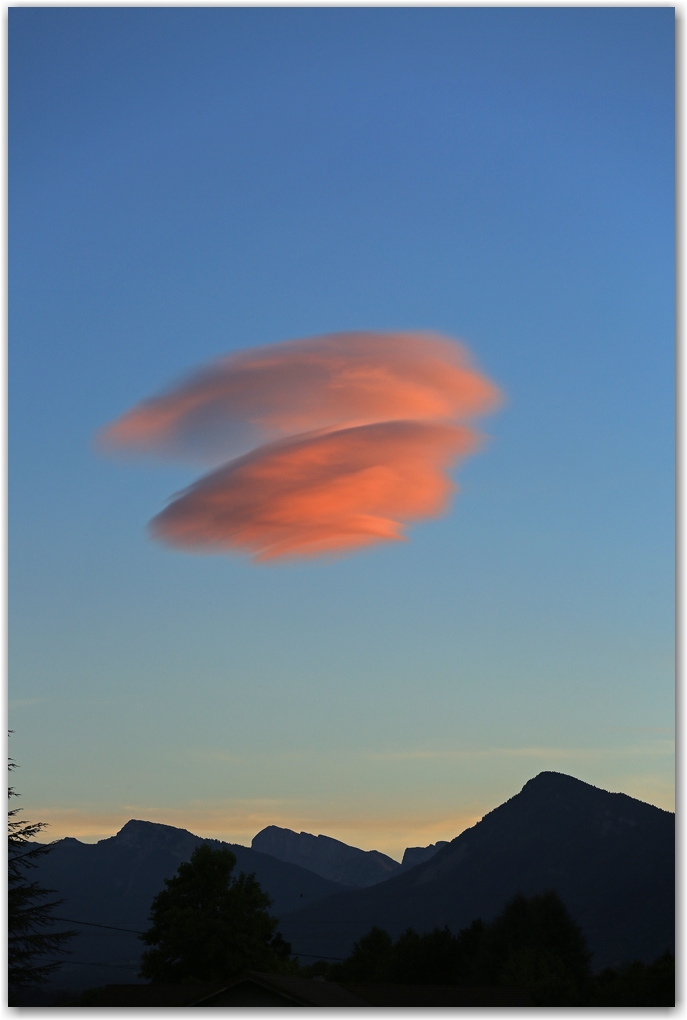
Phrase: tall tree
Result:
[535,943]
[207,926]
[30,946]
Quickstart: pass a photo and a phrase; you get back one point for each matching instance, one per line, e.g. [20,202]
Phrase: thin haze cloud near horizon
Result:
[343,439]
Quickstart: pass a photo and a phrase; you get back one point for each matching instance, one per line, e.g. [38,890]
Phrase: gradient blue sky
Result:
[188,181]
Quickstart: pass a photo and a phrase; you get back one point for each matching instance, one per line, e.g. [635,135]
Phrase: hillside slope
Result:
[610,857]
[113,882]
[335,860]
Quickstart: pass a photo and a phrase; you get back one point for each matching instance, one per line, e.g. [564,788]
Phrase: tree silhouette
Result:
[368,960]
[207,927]
[29,945]
[535,943]
[636,984]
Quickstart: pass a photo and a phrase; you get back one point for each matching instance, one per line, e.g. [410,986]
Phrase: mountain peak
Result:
[142,835]
[326,856]
[335,860]
[558,785]
[553,780]
[608,856]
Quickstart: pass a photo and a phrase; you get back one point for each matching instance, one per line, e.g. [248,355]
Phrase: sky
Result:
[189,183]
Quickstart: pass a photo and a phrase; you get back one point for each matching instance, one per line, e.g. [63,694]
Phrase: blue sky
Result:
[185,182]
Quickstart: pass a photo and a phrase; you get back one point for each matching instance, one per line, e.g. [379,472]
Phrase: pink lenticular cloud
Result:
[319,494]
[337,380]
[352,436]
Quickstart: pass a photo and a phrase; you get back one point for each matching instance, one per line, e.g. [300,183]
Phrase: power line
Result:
[93,924]
[91,963]
[133,931]
[316,956]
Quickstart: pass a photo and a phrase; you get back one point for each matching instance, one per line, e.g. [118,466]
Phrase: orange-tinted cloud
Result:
[340,379]
[353,435]
[320,494]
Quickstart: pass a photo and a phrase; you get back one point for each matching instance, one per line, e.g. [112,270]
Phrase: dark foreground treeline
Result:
[533,943]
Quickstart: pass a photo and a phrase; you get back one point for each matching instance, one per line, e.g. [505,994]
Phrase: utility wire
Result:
[315,956]
[91,963]
[93,924]
[133,931]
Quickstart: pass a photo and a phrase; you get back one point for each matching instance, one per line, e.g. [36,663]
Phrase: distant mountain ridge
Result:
[334,859]
[413,855]
[113,882]
[609,857]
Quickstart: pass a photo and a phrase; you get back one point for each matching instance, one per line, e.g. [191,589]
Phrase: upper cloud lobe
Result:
[340,379]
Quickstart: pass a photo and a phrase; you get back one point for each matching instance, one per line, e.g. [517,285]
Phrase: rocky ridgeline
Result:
[335,860]
[610,858]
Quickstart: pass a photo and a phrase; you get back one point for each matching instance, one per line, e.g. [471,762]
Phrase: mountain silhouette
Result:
[609,857]
[335,860]
[113,882]
[413,855]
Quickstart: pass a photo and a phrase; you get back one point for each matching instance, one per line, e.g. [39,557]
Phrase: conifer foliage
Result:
[30,945]
[533,943]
